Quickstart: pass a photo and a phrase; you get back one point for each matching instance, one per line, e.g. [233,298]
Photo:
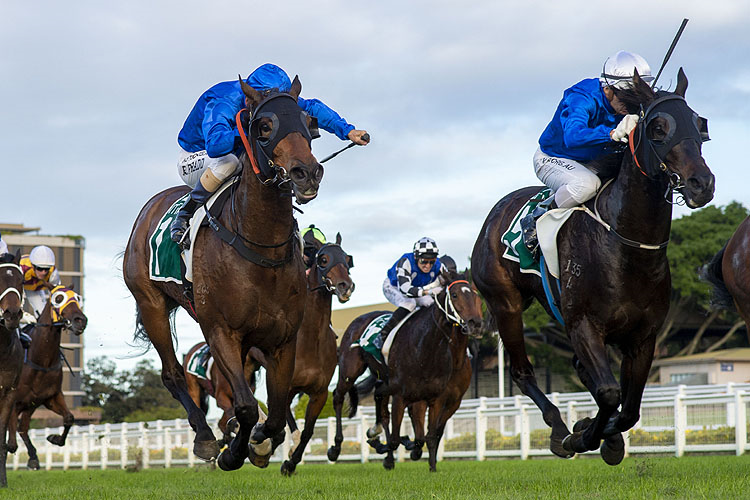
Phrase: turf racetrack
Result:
[721,477]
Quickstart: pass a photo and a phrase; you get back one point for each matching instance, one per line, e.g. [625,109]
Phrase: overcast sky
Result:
[453,94]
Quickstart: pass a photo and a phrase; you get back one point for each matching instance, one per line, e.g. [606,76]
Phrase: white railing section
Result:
[674,420]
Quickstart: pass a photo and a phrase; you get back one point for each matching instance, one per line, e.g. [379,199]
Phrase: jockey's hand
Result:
[435,291]
[358,137]
[431,285]
[623,129]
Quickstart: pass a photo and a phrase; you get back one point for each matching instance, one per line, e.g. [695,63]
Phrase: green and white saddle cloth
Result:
[199,363]
[369,341]
[515,250]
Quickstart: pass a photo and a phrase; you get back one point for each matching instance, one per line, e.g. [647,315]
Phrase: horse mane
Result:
[7,258]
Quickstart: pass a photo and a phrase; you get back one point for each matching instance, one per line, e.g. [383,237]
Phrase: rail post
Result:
[740,428]
[680,423]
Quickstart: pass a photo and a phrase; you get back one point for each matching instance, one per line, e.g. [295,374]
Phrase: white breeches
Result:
[398,299]
[572,182]
[191,166]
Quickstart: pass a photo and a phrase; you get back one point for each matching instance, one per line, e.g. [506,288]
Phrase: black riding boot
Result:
[396,318]
[198,196]
[528,225]
[24,338]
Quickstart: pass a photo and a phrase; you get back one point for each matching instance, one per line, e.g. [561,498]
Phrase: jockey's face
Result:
[616,104]
[424,264]
[41,272]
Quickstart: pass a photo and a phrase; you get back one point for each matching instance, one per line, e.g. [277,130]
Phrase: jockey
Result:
[39,277]
[3,246]
[312,239]
[589,120]
[210,144]
[412,281]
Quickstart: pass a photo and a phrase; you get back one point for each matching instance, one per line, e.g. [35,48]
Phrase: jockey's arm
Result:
[403,274]
[575,117]
[328,119]
[219,131]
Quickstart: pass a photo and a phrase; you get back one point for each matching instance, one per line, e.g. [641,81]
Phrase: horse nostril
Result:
[318,173]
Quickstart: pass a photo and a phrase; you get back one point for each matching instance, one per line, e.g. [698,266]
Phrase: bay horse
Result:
[315,359]
[729,273]
[42,374]
[11,352]
[427,368]
[250,290]
[614,276]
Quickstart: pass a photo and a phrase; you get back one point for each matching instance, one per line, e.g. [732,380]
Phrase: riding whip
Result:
[365,137]
[669,52]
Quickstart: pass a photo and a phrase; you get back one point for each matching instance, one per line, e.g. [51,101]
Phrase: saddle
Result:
[369,341]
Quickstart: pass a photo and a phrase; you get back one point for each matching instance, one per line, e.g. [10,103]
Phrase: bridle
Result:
[672,108]
[449,310]
[59,300]
[324,281]
[12,289]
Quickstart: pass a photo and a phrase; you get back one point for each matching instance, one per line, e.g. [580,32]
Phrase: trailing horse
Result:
[614,274]
[42,375]
[11,352]
[249,287]
[729,273]
[427,365]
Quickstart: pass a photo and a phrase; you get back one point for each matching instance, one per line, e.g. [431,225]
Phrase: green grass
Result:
[721,477]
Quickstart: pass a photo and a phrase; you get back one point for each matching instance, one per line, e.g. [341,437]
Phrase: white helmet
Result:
[42,256]
[618,69]
[426,247]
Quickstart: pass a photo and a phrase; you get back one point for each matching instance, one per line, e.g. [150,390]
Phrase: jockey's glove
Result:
[623,129]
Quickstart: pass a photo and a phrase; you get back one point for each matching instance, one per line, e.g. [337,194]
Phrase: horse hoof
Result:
[388,463]
[373,432]
[12,448]
[416,454]
[333,453]
[227,461]
[287,468]
[260,461]
[56,439]
[33,464]
[558,447]
[613,449]
[233,426]
[206,450]
[582,424]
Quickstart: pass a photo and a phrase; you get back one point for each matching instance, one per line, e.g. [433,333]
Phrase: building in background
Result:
[69,262]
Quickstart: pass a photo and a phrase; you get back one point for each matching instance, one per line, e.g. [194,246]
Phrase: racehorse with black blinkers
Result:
[11,352]
[249,288]
[729,273]
[42,375]
[614,271]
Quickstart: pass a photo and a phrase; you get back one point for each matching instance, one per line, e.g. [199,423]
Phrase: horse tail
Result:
[711,272]
[140,336]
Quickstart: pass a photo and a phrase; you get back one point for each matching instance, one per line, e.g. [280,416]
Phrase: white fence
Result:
[674,420]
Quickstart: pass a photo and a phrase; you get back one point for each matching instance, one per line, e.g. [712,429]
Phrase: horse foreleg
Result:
[591,351]
[12,429]
[342,387]
[417,413]
[510,326]
[156,323]
[23,431]
[279,372]
[57,405]
[6,409]
[224,401]
[314,407]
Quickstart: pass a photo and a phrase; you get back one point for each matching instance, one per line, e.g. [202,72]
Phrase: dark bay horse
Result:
[42,375]
[239,303]
[615,280]
[11,352]
[428,368]
[729,273]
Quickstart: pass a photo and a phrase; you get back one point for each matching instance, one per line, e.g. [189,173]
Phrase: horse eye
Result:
[265,128]
[323,261]
[454,295]
[58,300]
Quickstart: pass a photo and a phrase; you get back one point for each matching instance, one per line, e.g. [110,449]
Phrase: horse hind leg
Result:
[155,318]
[417,413]
[510,326]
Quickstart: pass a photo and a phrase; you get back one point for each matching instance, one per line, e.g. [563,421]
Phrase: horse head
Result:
[333,265]
[66,309]
[11,290]
[460,303]
[280,135]
[668,138]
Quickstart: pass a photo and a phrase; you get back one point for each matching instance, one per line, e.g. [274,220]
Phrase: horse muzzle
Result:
[472,328]
[11,317]
[698,190]
[344,291]
[78,324]
[306,181]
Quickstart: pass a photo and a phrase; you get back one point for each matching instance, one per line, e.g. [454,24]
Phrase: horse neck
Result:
[635,206]
[45,347]
[261,213]
[6,338]
[317,306]
[445,331]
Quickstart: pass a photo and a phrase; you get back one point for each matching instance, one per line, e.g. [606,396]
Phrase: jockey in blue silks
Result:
[588,121]
[210,144]
[412,281]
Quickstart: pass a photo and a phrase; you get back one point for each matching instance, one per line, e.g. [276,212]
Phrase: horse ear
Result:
[338,238]
[17,258]
[71,287]
[682,83]
[296,89]
[252,94]
[636,77]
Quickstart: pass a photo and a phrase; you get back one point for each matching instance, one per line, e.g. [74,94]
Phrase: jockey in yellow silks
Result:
[39,277]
